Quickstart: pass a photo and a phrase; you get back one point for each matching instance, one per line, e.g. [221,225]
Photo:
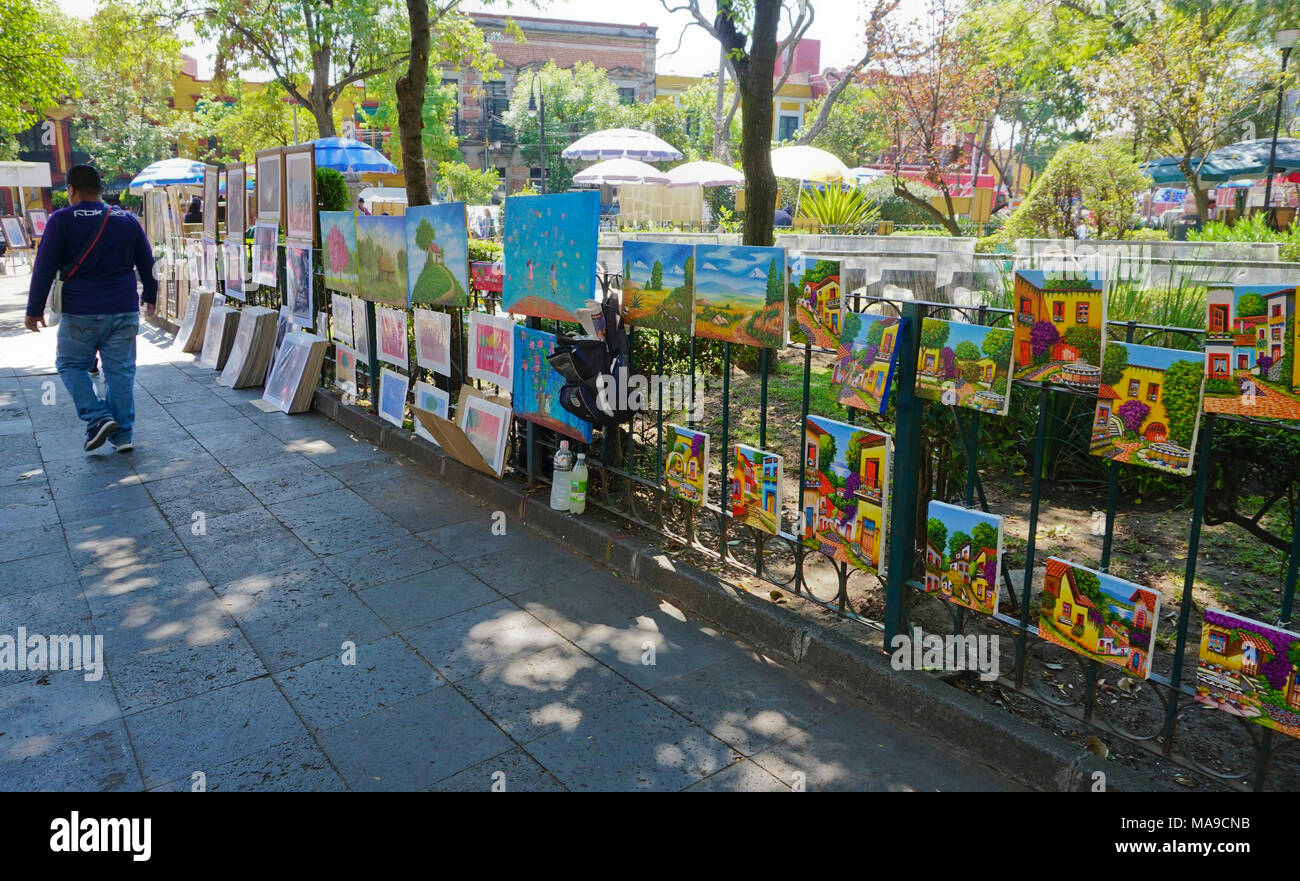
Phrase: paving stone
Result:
[54,703]
[104,503]
[492,635]
[94,759]
[295,766]
[577,605]
[367,567]
[339,521]
[512,771]
[511,572]
[428,596]
[743,776]
[22,577]
[172,671]
[35,542]
[474,538]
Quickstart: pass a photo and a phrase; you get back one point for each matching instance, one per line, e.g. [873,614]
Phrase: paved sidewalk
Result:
[232,559]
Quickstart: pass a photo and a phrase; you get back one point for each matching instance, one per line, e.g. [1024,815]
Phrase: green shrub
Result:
[331,190]
[896,208]
[484,251]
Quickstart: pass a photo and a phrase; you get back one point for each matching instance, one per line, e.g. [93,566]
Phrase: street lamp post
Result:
[1286,40]
[537,109]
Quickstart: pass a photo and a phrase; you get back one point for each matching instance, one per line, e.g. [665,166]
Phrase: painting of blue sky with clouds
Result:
[740,294]
[437,254]
[659,286]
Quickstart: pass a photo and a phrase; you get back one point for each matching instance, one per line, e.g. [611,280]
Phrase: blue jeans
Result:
[112,337]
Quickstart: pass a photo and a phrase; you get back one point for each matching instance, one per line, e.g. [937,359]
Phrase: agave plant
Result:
[846,210]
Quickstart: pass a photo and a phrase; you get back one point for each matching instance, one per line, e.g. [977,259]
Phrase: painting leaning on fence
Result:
[1099,616]
[845,492]
[963,555]
[966,365]
[686,465]
[1149,406]
[1059,323]
[756,488]
[1251,367]
[865,360]
[1250,669]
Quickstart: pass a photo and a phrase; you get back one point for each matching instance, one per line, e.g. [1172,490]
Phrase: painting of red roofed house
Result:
[817,300]
[1250,669]
[1251,368]
[963,556]
[756,488]
[845,492]
[1099,616]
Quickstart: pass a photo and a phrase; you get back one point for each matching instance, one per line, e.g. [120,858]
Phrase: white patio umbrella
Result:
[808,163]
[620,171]
[705,174]
[865,175]
[619,143]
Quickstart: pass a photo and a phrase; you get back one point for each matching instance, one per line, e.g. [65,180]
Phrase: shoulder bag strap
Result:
[90,246]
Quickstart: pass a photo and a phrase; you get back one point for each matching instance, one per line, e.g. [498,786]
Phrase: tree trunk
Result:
[410,88]
[322,108]
[756,76]
[1198,190]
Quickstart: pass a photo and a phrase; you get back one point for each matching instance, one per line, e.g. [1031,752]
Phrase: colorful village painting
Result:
[740,294]
[1149,406]
[659,286]
[550,248]
[1251,670]
[818,303]
[966,365]
[381,259]
[1059,326]
[536,389]
[756,488]
[1099,616]
[686,466]
[865,360]
[1251,367]
[437,254]
[963,556]
[846,473]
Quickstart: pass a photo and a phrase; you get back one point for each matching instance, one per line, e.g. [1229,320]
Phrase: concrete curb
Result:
[1015,748]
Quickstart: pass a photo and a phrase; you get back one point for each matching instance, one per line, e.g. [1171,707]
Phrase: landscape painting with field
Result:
[865,360]
[816,299]
[550,254]
[845,492]
[536,389]
[740,294]
[1251,367]
[1099,616]
[963,554]
[1149,406]
[659,286]
[966,365]
[1250,669]
[381,259]
[756,488]
[437,254]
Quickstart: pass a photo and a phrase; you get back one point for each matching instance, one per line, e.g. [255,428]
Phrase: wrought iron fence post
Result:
[907,472]
[801,526]
[372,345]
[1036,482]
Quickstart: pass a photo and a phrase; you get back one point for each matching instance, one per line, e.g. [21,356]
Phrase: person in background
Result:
[361,206]
[101,305]
[783,217]
[194,214]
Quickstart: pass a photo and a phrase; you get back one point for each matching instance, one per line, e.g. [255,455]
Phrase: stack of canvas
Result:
[190,336]
[251,352]
[296,371]
[219,336]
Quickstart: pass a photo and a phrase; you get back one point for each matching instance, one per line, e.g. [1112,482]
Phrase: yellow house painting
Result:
[1058,328]
[1098,615]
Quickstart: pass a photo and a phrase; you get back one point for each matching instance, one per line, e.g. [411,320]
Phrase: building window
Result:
[535,177]
[496,101]
[1134,386]
[627,95]
[1081,313]
[1277,310]
[1277,333]
[786,126]
[1153,391]
[1217,643]
[1058,311]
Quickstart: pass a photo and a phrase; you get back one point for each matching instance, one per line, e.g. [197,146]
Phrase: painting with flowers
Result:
[536,394]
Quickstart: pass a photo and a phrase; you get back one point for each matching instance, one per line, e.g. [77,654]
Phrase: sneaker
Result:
[98,433]
[121,445]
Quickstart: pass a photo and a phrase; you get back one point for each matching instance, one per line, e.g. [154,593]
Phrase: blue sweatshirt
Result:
[105,283]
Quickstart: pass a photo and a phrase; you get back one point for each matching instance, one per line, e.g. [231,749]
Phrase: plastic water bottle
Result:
[563,478]
[578,491]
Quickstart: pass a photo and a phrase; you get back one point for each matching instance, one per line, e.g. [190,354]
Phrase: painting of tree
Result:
[936,533]
[1182,399]
[997,345]
[967,351]
[1114,362]
[956,542]
[948,363]
[1085,340]
[933,333]
[825,454]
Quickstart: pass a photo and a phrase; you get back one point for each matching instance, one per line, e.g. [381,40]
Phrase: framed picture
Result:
[38,220]
[298,283]
[236,201]
[392,396]
[965,365]
[265,238]
[341,321]
[491,349]
[437,255]
[487,426]
[360,330]
[1099,616]
[270,185]
[1059,324]
[391,326]
[234,252]
[536,391]
[208,271]
[300,193]
[211,200]
[429,397]
[1149,406]
[338,236]
[433,341]
[686,464]
[1260,381]
[866,360]
[845,498]
[15,235]
[1246,668]
[819,306]
[345,369]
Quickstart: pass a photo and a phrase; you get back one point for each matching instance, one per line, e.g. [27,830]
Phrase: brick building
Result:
[627,52]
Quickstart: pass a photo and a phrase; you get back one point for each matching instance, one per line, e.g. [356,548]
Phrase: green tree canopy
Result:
[936,533]
[1182,399]
[934,333]
[997,344]
[956,542]
[825,453]
[34,71]
[1113,362]
[967,351]
[1251,305]
[983,535]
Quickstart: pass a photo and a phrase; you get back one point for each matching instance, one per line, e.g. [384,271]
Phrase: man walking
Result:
[99,251]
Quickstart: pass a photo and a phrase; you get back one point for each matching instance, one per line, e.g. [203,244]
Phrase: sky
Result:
[1158,357]
[836,25]
[735,274]
[959,519]
[959,332]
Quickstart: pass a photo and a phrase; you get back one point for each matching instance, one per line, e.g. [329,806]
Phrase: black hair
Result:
[85,179]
